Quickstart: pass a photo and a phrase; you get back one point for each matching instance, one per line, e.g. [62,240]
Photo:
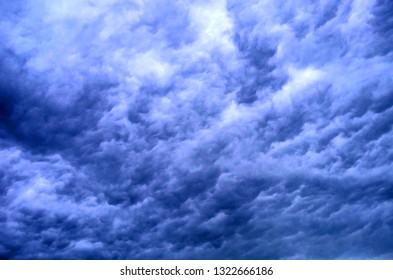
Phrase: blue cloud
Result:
[196,130]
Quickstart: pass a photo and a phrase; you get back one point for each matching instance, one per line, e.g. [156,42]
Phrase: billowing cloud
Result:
[196,129]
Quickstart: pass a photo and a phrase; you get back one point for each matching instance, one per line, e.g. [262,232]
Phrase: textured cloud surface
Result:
[140,129]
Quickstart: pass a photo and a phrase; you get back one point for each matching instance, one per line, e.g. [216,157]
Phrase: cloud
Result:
[196,130]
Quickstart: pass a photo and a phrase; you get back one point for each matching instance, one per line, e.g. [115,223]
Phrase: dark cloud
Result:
[383,23]
[196,130]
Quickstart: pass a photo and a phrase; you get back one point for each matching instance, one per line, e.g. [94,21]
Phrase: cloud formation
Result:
[196,129]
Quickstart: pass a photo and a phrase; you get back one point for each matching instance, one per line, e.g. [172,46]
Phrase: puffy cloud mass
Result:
[228,129]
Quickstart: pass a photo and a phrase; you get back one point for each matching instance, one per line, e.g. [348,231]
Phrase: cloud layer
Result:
[196,129]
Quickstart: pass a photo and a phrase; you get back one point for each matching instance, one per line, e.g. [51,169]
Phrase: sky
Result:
[226,129]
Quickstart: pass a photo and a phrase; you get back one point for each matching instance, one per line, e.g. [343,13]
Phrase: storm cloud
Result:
[257,129]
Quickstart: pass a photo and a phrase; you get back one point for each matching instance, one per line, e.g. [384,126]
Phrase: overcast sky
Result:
[141,129]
